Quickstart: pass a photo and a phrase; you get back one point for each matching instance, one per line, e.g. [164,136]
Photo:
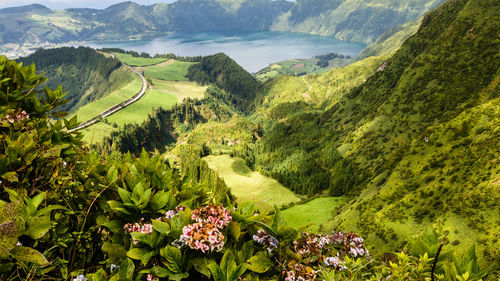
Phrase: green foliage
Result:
[84,73]
[221,70]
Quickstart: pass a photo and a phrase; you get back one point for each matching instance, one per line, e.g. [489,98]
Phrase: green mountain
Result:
[410,138]
[416,144]
[85,74]
[351,20]
[354,20]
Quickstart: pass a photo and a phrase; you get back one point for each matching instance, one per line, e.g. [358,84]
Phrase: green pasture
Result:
[248,185]
[139,111]
[95,108]
[138,61]
[313,213]
[171,70]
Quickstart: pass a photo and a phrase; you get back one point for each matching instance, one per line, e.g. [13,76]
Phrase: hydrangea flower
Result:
[335,262]
[202,236]
[263,238]
[349,243]
[213,214]
[151,278]
[300,272]
[145,228]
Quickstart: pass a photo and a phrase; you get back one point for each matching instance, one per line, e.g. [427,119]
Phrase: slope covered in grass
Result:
[170,70]
[247,185]
[128,59]
[416,144]
[313,213]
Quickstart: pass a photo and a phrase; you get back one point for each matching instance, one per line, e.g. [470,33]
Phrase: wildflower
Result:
[349,243]
[335,262]
[151,278]
[212,214]
[80,278]
[202,236]
[263,238]
[113,266]
[18,243]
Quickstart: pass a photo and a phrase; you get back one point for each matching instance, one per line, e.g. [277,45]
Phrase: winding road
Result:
[117,107]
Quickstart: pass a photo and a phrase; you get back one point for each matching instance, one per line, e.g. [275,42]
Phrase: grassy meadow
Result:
[95,108]
[248,185]
[313,213]
[170,70]
[138,61]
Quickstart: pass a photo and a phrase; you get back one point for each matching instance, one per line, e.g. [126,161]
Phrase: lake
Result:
[252,50]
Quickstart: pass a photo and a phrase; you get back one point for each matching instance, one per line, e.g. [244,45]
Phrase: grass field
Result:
[95,108]
[182,89]
[170,70]
[138,111]
[97,132]
[313,213]
[248,185]
[133,61]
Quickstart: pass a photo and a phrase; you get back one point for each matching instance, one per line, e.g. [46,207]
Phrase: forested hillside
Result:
[352,20]
[414,140]
[85,74]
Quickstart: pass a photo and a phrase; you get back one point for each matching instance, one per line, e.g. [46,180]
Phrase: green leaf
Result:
[48,209]
[160,199]
[10,176]
[287,233]
[161,227]
[143,238]
[115,252]
[27,254]
[37,200]
[201,265]
[8,237]
[137,193]
[278,219]
[179,276]
[114,225]
[173,258]
[238,271]
[38,230]
[126,270]
[235,230]
[161,272]
[137,253]
[216,271]
[125,195]
[260,263]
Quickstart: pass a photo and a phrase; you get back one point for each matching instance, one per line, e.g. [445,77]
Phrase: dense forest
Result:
[225,73]
[84,73]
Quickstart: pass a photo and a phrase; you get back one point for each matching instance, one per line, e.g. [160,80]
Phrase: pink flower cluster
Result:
[145,228]
[350,243]
[213,214]
[202,236]
[151,278]
[205,234]
[310,244]
[263,238]
[15,117]
[170,214]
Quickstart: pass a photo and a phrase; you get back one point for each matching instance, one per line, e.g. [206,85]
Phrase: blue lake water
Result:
[252,50]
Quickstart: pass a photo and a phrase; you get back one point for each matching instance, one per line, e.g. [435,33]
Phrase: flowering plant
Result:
[213,214]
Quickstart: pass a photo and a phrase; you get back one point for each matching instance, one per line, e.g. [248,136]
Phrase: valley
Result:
[254,153]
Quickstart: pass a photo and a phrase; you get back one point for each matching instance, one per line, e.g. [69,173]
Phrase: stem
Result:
[435,262]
